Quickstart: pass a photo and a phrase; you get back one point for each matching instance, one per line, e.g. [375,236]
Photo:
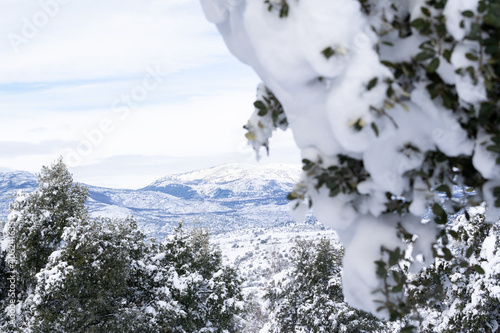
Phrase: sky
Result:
[127,91]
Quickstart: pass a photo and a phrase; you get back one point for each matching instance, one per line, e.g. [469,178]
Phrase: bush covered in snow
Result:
[391,103]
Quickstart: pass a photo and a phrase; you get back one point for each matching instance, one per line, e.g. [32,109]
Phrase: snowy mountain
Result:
[10,184]
[224,198]
[229,181]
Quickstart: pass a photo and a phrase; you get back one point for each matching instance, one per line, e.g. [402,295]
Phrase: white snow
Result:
[323,97]
[453,13]
[467,90]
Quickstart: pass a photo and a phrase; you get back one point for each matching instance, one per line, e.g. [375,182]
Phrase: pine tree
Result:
[103,280]
[33,232]
[37,220]
[461,294]
[308,296]
[208,292]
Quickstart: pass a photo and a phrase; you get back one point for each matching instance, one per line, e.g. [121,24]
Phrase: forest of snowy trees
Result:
[63,271]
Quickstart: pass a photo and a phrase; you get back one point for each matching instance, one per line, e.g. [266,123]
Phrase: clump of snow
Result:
[492,213]
[453,13]
[468,91]
[318,61]
[217,11]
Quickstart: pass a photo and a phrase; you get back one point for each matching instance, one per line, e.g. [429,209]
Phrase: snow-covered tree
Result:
[108,278]
[307,297]
[390,102]
[33,232]
[461,294]
[37,220]
[103,280]
[208,292]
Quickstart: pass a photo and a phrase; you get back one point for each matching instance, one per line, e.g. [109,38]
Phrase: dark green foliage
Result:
[282,7]
[338,179]
[453,296]
[308,298]
[270,116]
[37,220]
[97,283]
[328,52]
[211,296]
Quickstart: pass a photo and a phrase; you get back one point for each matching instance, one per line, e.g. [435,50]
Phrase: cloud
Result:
[101,39]
[64,76]
[16,148]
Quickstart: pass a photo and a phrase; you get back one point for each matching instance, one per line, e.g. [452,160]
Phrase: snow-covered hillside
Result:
[223,198]
[226,181]
[10,184]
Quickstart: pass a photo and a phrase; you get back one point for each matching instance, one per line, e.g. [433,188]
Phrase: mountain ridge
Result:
[223,198]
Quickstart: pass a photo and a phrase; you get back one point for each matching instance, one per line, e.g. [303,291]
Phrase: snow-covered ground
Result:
[259,253]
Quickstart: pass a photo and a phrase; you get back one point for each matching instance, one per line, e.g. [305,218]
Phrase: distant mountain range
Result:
[223,198]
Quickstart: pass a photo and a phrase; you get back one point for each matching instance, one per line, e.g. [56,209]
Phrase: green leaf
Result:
[334,191]
[328,52]
[387,64]
[433,66]
[408,329]
[444,188]
[496,193]
[453,234]
[424,55]
[494,148]
[492,20]
[381,270]
[375,129]
[261,107]
[398,288]
[394,257]
[426,11]
[440,216]
[469,252]
[474,31]
[373,82]
[284,10]
[468,13]
[471,56]
[418,24]
[396,277]
[479,269]
[447,55]
[441,29]
[307,167]
[448,256]
[390,91]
